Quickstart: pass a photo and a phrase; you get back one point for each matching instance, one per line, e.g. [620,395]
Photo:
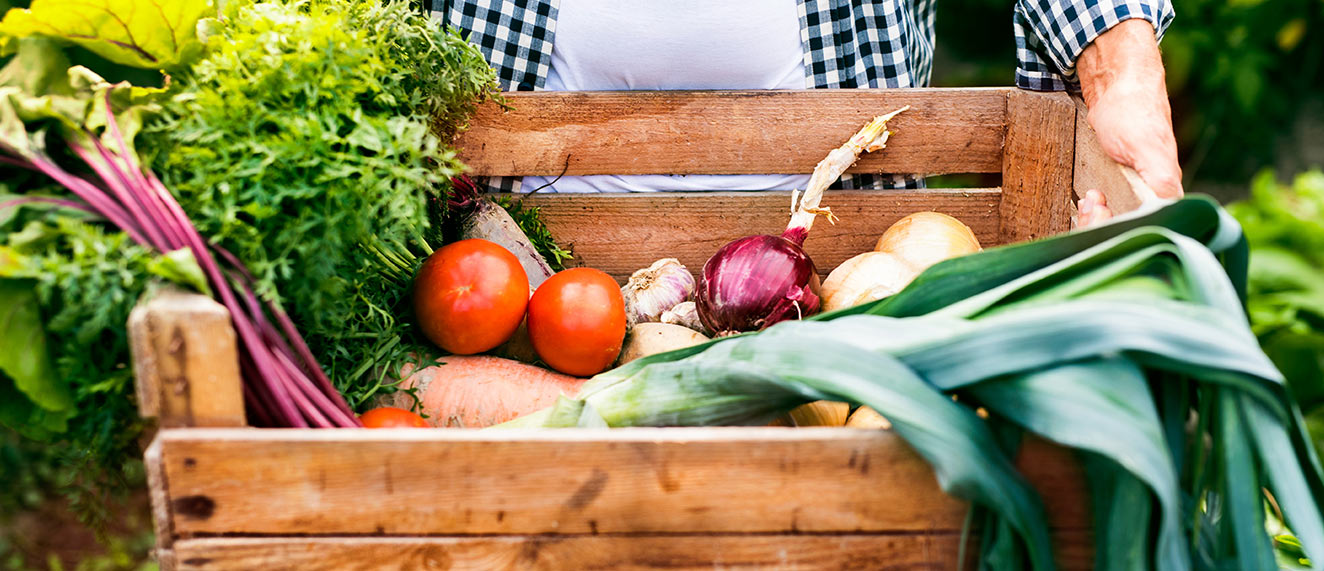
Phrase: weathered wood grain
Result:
[183,346]
[680,480]
[159,494]
[620,233]
[1095,170]
[732,132]
[601,552]
[1036,165]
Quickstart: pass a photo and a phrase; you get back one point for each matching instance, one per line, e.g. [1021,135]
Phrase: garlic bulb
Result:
[926,238]
[655,289]
[686,314]
[867,277]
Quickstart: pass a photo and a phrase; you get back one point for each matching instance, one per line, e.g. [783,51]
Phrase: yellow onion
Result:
[926,238]
[865,417]
[867,277]
[820,413]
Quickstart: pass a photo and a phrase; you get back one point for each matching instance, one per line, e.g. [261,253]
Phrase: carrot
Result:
[479,391]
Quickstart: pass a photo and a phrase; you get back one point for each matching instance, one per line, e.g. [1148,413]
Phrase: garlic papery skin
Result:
[655,289]
[686,314]
[867,277]
[926,238]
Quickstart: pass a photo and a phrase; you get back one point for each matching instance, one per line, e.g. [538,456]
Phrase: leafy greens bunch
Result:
[305,143]
[68,281]
[1285,226]
[359,103]
[1127,342]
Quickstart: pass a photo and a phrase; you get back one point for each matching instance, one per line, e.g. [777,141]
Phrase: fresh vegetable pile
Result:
[303,143]
[1127,342]
[295,166]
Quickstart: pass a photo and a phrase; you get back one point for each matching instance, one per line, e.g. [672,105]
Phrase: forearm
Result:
[1124,57]
[1121,79]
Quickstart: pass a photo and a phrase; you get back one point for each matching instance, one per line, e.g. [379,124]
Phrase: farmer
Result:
[1108,49]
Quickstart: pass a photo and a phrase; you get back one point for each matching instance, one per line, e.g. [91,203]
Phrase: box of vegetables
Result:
[274,242]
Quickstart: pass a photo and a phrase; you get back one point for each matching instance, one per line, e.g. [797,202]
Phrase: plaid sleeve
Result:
[1050,34]
[514,35]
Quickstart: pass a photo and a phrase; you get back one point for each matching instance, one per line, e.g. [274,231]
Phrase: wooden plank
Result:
[183,344]
[160,498]
[679,553]
[1095,170]
[680,480]
[732,132]
[1037,163]
[620,233]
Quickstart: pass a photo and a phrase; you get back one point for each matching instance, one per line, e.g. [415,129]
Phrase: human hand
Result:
[1092,209]
[1121,78]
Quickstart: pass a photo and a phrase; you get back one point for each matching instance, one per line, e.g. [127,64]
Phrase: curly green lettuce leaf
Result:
[152,34]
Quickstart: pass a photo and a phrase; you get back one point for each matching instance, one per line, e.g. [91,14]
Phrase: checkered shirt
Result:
[848,43]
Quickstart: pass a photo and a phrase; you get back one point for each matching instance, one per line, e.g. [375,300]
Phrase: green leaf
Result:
[22,415]
[179,266]
[1244,507]
[1122,504]
[153,34]
[1275,451]
[23,353]
[1103,407]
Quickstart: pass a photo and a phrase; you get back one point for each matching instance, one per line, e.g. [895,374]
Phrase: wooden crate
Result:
[229,497]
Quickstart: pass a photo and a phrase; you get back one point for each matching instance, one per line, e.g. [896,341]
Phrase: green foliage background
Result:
[1240,74]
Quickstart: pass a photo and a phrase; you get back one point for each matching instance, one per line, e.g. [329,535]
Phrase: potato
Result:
[646,339]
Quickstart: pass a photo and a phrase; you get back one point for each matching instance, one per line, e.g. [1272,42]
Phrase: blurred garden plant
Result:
[1285,226]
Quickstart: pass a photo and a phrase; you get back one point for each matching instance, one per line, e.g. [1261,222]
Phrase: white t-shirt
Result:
[609,45]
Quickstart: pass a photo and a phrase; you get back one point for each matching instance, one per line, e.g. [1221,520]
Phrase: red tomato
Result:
[391,417]
[470,296]
[577,321]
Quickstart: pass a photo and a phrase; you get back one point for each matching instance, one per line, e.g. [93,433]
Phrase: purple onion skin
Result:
[754,282]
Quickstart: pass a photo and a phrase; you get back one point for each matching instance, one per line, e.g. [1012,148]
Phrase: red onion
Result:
[757,281]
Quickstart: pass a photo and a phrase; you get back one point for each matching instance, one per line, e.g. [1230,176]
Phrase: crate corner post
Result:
[183,348]
[186,373]
[1037,165]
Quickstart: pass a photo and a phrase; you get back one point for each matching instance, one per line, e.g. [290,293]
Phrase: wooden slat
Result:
[679,480]
[620,233]
[732,132]
[676,553]
[159,493]
[1037,163]
[1095,170]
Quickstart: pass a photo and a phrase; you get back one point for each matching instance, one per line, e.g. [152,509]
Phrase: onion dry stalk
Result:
[756,281]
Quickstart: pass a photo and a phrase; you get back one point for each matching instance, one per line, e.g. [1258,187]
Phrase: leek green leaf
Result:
[1241,490]
[1119,500]
[1103,407]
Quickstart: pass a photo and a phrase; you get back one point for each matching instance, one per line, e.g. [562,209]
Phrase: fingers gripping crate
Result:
[229,497]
